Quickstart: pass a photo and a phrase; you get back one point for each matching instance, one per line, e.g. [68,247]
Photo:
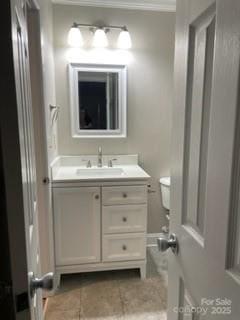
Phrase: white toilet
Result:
[165,183]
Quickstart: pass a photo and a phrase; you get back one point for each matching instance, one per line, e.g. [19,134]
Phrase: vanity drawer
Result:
[124,195]
[124,247]
[128,218]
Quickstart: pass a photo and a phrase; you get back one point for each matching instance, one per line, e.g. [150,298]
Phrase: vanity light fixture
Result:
[124,39]
[75,38]
[100,39]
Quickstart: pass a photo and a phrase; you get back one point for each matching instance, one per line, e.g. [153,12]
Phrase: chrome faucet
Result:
[88,163]
[99,163]
[110,162]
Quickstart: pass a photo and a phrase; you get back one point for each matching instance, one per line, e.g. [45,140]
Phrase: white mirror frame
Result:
[74,68]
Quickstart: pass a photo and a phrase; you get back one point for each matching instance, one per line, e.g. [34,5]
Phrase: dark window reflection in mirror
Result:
[98,100]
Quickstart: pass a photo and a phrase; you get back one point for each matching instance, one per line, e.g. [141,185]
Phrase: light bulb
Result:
[124,39]
[75,38]
[100,38]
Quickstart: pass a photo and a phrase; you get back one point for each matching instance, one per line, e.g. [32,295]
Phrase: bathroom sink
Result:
[72,169]
[96,172]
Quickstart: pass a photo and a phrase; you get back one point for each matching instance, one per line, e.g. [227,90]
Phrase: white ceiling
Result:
[153,5]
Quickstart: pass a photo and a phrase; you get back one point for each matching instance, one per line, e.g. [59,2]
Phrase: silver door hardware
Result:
[45,282]
[166,243]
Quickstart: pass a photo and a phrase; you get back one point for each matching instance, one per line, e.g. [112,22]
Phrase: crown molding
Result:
[151,5]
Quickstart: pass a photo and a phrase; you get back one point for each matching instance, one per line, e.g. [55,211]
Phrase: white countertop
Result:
[65,169]
[131,172]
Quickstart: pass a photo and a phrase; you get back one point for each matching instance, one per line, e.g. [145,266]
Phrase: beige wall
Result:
[150,90]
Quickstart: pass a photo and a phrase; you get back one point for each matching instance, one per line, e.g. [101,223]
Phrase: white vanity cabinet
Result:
[77,225]
[99,213]
[100,227]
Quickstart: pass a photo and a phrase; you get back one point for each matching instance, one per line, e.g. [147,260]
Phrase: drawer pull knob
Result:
[124,195]
[96,196]
[124,219]
[124,247]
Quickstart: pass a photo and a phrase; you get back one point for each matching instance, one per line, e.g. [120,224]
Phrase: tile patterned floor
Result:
[112,295]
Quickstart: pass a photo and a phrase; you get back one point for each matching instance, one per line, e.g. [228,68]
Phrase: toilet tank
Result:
[165,183]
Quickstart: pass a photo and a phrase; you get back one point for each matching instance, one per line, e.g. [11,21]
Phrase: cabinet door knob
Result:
[124,219]
[124,247]
[124,195]
[97,196]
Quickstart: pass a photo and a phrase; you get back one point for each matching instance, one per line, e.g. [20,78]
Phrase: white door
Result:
[205,212]
[77,225]
[26,138]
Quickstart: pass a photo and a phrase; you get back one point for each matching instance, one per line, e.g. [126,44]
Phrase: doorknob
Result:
[45,282]
[171,242]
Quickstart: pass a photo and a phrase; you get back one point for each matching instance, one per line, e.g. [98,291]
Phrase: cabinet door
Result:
[77,225]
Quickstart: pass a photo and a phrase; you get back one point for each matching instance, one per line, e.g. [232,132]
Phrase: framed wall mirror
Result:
[98,98]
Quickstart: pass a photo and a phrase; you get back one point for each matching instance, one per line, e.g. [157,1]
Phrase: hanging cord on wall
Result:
[54,112]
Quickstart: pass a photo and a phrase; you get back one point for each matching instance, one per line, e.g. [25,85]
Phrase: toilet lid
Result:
[166,181]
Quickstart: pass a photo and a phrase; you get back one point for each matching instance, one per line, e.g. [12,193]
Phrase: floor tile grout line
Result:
[121,298]
[80,298]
